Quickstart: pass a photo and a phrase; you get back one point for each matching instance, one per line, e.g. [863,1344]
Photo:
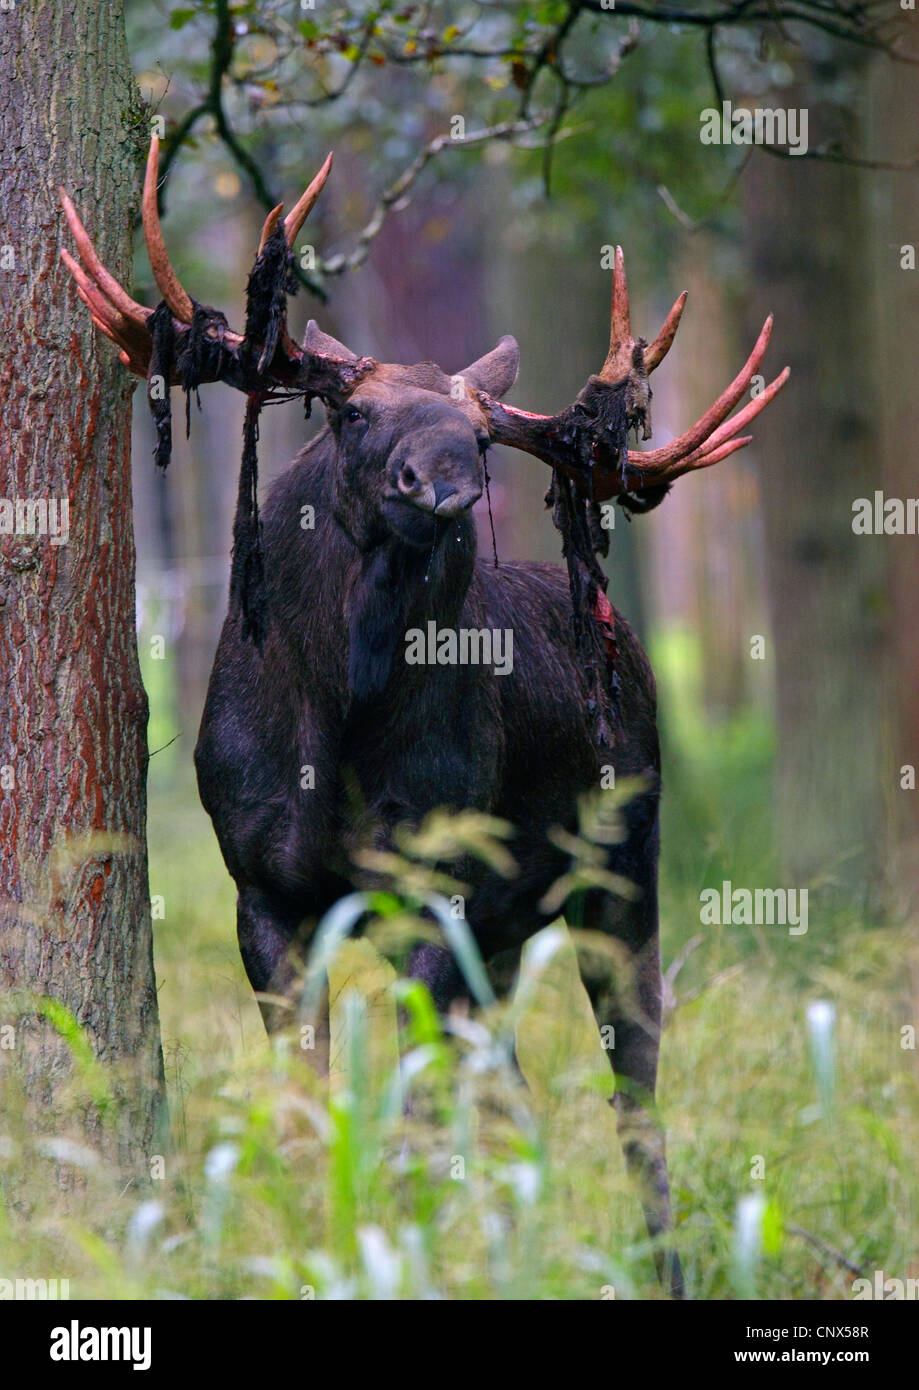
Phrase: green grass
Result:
[281,1185]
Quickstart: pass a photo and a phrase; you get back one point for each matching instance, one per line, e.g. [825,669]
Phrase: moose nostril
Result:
[441,492]
[408,475]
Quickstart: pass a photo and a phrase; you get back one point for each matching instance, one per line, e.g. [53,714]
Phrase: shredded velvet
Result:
[159,378]
[196,348]
[576,520]
[608,411]
[247,573]
[270,282]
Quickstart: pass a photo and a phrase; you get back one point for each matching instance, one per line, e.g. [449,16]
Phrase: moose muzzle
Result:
[440,471]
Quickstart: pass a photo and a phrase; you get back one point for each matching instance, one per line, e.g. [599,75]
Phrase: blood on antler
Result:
[182,342]
[587,442]
[244,360]
[185,343]
[587,446]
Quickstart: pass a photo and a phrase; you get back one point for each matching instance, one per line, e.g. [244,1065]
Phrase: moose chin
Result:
[391,482]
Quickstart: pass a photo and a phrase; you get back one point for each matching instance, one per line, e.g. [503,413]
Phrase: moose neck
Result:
[400,586]
[345,607]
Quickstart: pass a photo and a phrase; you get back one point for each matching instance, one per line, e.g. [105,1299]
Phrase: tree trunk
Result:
[895,211]
[817,446]
[707,569]
[74,900]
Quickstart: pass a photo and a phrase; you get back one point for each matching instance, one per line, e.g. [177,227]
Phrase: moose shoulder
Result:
[319,737]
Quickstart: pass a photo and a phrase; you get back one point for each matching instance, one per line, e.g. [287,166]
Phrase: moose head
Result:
[412,437]
[409,451]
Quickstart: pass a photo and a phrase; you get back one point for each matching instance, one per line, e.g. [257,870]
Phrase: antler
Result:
[221,354]
[587,441]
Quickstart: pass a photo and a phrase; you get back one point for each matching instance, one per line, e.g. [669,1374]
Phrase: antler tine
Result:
[743,417]
[662,344]
[704,428]
[705,460]
[126,353]
[304,206]
[271,221]
[125,322]
[299,212]
[100,317]
[621,343]
[135,313]
[585,453]
[112,322]
[169,284]
[92,295]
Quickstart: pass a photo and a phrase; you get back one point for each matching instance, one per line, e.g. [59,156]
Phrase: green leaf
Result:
[462,944]
[773,1228]
[179,18]
[77,1039]
[384,904]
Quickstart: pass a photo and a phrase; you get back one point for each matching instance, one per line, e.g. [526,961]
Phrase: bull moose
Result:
[310,669]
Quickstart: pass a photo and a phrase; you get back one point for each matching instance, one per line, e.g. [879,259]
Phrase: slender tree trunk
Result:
[74,901]
[707,570]
[895,209]
[808,231]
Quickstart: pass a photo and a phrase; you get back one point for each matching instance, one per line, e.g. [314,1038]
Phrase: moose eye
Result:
[352,415]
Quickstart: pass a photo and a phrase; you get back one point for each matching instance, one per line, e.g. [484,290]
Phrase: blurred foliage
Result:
[619,100]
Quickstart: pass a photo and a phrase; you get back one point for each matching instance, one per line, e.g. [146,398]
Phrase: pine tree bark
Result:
[74,900]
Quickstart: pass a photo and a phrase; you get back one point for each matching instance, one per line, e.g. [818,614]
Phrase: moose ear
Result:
[324,345]
[496,372]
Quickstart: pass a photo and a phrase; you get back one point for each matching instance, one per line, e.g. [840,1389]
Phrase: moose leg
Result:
[267,933]
[503,970]
[438,968]
[629,1021]
[628,1012]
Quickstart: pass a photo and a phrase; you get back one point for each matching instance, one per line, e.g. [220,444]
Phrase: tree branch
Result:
[400,186]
